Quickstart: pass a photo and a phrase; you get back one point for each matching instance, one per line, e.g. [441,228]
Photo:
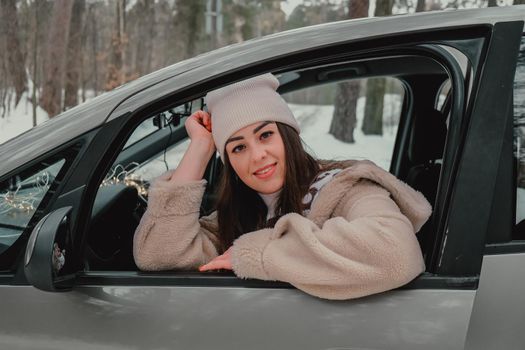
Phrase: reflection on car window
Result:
[144,129]
[167,150]
[20,197]
[363,129]
[519,141]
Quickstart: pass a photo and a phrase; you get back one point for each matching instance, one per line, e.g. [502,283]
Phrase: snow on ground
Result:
[19,118]
[315,124]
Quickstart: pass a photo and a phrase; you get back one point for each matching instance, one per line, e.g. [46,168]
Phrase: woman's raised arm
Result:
[200,150]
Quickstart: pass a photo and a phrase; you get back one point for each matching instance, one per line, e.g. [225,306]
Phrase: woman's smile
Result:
[257,156]
[266,172]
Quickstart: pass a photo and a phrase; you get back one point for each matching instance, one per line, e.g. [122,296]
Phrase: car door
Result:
[498,311]
[131,309]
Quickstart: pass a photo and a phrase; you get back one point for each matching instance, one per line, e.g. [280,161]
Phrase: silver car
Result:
[73,189]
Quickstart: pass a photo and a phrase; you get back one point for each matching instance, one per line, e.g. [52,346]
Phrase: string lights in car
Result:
[125,175]
[23,200]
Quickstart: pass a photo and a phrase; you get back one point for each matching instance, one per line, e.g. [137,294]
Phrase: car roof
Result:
[113,104]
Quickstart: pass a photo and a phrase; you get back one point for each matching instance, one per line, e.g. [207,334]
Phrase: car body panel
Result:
[499,307]
[232,318]
[48,136]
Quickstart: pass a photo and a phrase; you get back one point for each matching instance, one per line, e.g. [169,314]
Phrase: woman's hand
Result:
[223,261]
[198,126]
[200,150]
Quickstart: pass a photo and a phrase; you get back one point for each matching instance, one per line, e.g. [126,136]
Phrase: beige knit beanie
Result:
[238,105]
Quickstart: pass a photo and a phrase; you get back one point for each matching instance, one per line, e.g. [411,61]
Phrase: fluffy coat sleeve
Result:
[170,234]
[366,247]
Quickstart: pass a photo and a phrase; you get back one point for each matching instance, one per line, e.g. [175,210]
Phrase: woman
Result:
[336,230]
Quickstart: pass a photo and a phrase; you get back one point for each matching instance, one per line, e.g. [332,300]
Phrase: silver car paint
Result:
[202,318]
[498,316]
[116,103]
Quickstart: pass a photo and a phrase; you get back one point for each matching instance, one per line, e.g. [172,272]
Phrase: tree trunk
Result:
[36,30]
[145,36]
[344,118]
[74,55]
[92,15]
[115,68]
[420,7]
[188,23]
[373,116]
[15,60]
[375,88]
[51,98]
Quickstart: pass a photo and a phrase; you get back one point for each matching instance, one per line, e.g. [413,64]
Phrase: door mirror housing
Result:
[45,259]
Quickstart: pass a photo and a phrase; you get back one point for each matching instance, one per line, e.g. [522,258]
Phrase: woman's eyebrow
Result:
[233,139]
[261,126]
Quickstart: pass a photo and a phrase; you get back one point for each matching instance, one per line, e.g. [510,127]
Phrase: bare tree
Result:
[51,97]
[376,88]
[344,117]
[92,44]
[189,23]
[37,6]
[74,55]
[143,30]
[15,60]
[420,7]
[115,69]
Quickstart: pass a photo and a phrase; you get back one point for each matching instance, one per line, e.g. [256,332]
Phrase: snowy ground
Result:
[19,119]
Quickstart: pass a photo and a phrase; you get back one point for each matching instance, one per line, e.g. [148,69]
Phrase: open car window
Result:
[341,117]
[354,119]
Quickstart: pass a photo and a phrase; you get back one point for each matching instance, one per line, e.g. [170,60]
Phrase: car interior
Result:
[417,154]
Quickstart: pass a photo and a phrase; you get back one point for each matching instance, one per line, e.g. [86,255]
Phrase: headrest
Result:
[428,136]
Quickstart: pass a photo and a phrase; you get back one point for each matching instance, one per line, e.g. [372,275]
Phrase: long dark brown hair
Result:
[240,209]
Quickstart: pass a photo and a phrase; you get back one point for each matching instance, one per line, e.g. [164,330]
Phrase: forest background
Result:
[57,54]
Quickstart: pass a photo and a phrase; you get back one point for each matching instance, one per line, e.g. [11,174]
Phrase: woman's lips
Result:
[266,171]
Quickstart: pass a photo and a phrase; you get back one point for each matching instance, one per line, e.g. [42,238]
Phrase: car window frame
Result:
[483,130]
[500,236]
[213,82]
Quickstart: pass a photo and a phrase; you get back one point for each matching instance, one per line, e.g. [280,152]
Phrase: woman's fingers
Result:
[206,120]
[197,123]
[221,262]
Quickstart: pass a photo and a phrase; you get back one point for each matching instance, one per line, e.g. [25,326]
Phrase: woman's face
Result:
[257,155]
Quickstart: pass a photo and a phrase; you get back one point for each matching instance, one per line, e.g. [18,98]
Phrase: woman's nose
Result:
[258,153]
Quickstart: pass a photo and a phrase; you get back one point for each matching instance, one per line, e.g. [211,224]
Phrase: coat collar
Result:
[411,202]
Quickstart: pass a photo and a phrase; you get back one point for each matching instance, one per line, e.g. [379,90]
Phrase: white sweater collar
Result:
[271,202]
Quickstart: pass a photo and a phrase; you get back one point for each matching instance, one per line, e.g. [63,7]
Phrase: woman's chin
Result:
[264,187]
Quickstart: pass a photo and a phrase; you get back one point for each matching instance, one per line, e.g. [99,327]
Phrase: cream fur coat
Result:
[358,239]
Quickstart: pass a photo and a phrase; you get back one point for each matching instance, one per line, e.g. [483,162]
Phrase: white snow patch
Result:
[20,118]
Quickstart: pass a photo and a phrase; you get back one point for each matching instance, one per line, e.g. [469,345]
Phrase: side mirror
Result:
[45,260]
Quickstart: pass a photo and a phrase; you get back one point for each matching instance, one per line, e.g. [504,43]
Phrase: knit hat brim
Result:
[238,105]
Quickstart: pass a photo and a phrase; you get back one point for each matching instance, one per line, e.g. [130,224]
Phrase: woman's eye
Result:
[237,148]
[266,134]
